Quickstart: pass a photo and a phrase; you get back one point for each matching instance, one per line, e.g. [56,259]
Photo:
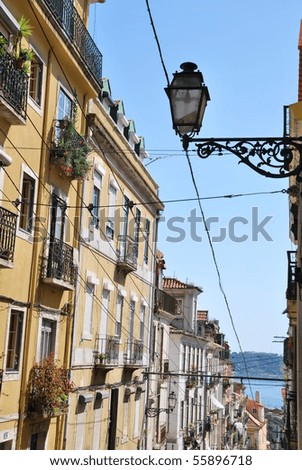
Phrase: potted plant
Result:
[70,151]
[23,55]
[49,387]
[102,357]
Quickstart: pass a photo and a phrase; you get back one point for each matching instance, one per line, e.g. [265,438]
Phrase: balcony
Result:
[13,90]
[69,24]
[49,387]
[133,356]
[8,225]
[288,351]
[165,302]
[69,150]
[127,254]
[291,291]
[107,355]
[58,267]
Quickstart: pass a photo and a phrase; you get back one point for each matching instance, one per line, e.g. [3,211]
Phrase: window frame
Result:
[53,336]
[110,223]
[147,239]
[90,289]
[27,203]
[96,198]
[19,336]
[23,233]
[38,89]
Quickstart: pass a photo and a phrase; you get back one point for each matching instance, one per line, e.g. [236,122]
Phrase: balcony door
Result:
[104,321]
[57,229]
[124,231]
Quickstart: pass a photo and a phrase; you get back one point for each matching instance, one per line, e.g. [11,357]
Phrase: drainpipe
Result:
[35,260]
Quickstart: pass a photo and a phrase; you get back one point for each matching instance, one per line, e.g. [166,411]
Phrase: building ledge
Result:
[58,283]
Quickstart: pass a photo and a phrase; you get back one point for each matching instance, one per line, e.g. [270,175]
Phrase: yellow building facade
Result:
[77,225]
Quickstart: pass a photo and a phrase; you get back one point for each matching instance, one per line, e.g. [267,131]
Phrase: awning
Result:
[217,403]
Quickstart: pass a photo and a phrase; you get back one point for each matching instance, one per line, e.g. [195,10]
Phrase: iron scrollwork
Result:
[272,157]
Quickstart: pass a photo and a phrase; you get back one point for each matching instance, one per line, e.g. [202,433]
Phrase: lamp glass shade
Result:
[172,401]
[188,98]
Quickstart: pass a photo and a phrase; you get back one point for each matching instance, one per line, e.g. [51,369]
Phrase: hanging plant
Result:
[49,387]
[70,151]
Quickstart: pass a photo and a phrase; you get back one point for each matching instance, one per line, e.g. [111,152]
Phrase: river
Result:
[270,392]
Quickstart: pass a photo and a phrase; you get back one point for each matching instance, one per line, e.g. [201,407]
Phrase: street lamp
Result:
[188,98]
[152,412]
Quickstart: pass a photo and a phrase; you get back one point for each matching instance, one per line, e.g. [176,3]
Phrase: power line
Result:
[16,202]
[157,42]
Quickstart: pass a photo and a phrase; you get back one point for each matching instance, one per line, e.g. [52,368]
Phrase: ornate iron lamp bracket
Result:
[153,412]
[273,157]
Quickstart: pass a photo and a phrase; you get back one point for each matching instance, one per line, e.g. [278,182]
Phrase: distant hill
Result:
[259,364]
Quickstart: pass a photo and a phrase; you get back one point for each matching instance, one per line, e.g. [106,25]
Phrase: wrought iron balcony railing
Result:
[133,353]
[108,351]
[58,264]
[166,302]
[127,254]
[13,87]
[67,17]
[8,225]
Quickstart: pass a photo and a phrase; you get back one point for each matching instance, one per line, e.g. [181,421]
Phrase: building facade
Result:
[292,344]
[76,272]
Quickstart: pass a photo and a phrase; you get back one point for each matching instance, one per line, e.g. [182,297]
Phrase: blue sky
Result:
[248,54]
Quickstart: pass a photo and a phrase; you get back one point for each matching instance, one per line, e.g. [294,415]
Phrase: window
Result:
[35,81]
[15,334]
[183,368]
[142,323]
[96,198]
[131,319]
[104,320]
[147,238]
[48,337]
[179,306]
[88,310]
[65,106]
[58,213]
[119,311]
[27,203]
[137,222]
[137,416]
[125,419]
[111,213]
[124,230]
[181,415]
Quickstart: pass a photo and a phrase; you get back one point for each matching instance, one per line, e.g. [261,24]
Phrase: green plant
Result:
[102,356]
[3,45]
[70,151]
[22,55]
[25,31]
[49,387]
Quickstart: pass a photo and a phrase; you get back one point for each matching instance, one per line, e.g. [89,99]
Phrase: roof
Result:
[173,283]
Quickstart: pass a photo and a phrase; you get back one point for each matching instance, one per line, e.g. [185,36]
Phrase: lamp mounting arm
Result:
[273,157]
